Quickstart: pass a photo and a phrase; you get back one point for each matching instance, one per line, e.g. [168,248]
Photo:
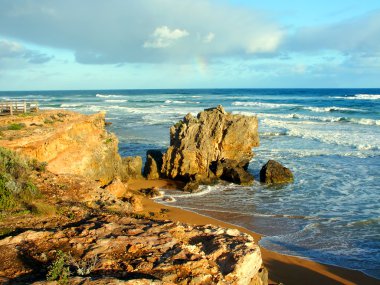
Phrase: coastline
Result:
[282,268]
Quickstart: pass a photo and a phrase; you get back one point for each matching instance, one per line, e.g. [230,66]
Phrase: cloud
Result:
[12,50]
[144,31]
[209,38]
[359,34]
[163,37]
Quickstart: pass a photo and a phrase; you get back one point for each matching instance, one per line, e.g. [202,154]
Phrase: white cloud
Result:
[10,50]
[264,43]
[164,37]
[144,31]
[209,38]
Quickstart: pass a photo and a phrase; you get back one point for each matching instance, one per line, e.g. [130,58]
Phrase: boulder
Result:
[153,164]
[116,188]
[131,167]
[199,143]
[232,171]
[152,192]
[274,173]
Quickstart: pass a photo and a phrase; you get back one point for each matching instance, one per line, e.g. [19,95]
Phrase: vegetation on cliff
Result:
[17,191]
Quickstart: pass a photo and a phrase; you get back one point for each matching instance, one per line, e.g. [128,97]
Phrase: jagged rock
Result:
[152,192]
[191,186]
[153,164]
[114,248]
[196,144]
[233,171]
[274,173]
[237,175]
[116,188]
[131,167]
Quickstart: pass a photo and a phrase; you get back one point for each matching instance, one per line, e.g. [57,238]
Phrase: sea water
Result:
[329,138]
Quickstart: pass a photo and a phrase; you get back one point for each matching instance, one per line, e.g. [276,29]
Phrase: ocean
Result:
[329,138]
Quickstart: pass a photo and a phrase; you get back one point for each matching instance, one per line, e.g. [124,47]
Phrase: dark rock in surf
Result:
[275,173]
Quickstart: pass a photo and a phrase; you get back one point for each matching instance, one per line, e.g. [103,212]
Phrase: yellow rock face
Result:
[69,142]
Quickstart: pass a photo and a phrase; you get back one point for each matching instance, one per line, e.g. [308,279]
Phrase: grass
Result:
[16,126]
[109,140]
[48,121]
[17,191]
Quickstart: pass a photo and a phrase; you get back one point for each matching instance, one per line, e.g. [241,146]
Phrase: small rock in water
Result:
[168,199]
[274,173]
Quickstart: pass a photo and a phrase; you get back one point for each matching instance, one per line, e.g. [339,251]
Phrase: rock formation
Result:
[71,143]
[131,167]
[275,173]
[215,144]
[153,165]
[126,248]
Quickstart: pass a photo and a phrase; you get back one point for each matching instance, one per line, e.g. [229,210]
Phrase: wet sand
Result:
[282,268]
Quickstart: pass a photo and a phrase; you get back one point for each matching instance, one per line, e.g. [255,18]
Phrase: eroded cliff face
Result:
[196,144]
[69,142]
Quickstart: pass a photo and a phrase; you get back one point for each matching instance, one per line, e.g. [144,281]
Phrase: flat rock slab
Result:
[126,249]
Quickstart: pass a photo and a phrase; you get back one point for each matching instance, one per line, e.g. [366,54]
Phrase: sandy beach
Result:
[282,268]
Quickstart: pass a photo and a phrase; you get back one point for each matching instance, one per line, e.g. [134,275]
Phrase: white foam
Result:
[116,100]
[261,104]
[330,109]
[108,96]
[179,102]
[360,121]
[359,97]
[359,138]
[367,96]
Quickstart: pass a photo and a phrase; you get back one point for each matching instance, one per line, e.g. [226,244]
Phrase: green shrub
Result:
[59,270]
[16,189]
[16,126]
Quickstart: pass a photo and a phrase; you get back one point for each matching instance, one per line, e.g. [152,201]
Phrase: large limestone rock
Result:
[275,173]
[198,144]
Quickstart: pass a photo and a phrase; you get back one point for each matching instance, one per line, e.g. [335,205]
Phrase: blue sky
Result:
[117,44]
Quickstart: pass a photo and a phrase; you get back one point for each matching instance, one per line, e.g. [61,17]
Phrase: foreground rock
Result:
[126,248]
[275,173]
[198,145]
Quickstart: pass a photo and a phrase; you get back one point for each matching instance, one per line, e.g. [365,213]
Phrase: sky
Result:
[134,44]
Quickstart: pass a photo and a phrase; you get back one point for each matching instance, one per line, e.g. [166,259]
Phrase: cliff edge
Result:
[70,143]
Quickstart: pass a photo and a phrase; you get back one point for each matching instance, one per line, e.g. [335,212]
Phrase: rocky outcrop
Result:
[215,144]
[71,143]
[116,188]
[125,248]
[275,173]
[153,165]
[131,167]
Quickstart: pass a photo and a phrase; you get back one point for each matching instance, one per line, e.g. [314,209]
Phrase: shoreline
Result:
[282,268]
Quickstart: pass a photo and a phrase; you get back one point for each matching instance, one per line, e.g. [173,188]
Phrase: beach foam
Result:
[262,104]
[108,96]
